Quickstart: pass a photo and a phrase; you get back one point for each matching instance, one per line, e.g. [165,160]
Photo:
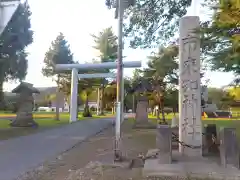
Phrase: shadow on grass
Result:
[7,132]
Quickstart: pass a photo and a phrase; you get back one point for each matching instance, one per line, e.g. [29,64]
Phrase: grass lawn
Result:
[171,115]
[225,123]
[45,121]
[220,122]
[36,115]
[40,115]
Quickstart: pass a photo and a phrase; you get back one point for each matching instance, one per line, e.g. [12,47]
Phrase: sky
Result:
[77,20]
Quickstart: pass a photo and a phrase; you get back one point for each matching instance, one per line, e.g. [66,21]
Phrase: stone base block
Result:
[183,167]
[144,125]
[24,123]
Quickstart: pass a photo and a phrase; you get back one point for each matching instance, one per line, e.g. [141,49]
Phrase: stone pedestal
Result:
[184,167]
[190,128]
[142,114]
[229,150]
[164,144]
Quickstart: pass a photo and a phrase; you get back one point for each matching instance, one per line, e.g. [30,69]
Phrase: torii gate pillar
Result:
[74,95]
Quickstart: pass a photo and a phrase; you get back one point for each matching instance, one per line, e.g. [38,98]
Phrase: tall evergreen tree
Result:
[162,74]
[58,53]
[13,42]
[106,44]
[221,38]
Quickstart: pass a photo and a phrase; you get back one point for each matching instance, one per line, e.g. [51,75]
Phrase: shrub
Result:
[87,112]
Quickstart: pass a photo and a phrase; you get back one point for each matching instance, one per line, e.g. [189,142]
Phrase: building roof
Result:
[23,86]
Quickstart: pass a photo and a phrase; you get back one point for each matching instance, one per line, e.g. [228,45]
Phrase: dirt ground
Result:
[93,159]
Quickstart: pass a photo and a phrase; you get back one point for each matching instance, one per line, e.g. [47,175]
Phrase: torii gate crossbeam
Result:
[74,78]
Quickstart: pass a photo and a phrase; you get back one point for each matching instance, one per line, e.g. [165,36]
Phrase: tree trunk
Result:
[133,104]
[152,110]
[101,101]
[98,100]
[57,99]
[162,112]
[2,102]
[158,112]
[86,102]
[78,100]
[86,112]
[174,111]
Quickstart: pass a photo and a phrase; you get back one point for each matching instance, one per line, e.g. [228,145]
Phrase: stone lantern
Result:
[25,105]
[142,88]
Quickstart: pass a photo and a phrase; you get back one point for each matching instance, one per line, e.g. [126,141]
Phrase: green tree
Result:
[85,89]
[106,44]
[156,22]
[127,98]
[110,95]
[14,40]
[161,74]
[220,38]
[151,22]
[58,53]
[235,92]
[136,74]
[223,99]
[85,93]
[171,99]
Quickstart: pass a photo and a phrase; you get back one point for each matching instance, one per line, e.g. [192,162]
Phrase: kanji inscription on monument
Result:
[189,87]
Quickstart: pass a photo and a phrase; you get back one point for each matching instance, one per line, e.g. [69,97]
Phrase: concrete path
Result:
[23,153]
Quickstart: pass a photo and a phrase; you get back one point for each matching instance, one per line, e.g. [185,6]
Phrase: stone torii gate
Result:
[74,79]
[74,90]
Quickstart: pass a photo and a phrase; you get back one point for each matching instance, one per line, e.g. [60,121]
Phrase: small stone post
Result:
[229,149]
[164,144]
[209,132]
[190,128]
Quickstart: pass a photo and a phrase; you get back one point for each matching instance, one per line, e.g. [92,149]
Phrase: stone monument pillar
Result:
[190,128]
[24,116]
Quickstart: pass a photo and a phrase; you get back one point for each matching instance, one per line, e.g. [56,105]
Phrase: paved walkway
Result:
[23,153]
